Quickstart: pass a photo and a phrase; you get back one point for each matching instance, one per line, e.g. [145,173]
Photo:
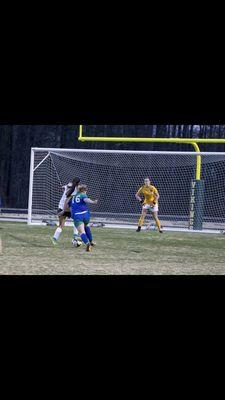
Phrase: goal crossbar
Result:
[56,150]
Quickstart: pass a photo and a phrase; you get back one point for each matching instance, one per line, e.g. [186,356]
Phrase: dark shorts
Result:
[66,214]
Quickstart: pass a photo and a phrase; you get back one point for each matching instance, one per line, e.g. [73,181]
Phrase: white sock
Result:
[57,233]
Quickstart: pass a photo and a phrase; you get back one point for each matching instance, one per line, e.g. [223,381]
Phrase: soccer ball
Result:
[151,227]
[76,243]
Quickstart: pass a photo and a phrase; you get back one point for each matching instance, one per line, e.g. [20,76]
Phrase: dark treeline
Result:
[17,140]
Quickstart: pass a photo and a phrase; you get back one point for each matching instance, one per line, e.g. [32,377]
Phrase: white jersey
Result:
[63,198]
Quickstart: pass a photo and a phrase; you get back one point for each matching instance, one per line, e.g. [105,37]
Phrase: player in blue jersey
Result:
[81,215]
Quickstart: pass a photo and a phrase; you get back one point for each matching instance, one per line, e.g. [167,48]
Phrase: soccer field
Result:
[27,250]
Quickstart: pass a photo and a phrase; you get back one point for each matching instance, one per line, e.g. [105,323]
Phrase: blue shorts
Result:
[80,219]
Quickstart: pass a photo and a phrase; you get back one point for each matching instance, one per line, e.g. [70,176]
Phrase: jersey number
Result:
[76,200]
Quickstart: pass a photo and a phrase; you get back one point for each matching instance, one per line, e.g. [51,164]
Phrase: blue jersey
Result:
[78,205]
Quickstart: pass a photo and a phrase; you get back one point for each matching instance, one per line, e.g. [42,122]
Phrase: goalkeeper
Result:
[151,197]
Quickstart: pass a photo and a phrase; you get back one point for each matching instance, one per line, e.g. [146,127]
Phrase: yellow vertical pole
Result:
[80,132]
[199,162]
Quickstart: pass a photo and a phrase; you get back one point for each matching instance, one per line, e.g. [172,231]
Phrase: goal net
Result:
[114,177]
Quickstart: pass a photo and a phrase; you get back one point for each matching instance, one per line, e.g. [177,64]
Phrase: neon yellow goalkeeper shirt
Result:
[150,194]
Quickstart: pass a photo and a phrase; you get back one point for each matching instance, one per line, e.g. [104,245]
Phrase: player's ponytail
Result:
[75,182]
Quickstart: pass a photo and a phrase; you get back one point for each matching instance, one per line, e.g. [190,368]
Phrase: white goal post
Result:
[115,176]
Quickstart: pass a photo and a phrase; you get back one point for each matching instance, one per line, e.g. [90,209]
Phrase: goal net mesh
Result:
[115,177]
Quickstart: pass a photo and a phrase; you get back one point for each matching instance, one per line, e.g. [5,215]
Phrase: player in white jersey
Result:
[69,189]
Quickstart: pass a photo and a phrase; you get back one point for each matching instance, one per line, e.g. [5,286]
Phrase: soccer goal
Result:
[114,177]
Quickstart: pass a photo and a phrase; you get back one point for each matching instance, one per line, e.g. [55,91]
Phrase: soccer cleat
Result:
[93,244]
[160,231]
[138,229]
[54,241]
[88,249]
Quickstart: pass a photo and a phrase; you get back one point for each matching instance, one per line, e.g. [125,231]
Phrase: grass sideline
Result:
[27,250]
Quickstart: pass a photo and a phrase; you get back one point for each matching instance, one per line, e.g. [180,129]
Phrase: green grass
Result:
[28,250]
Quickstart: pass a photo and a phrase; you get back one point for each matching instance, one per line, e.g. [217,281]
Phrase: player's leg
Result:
[62,220]
[75,233]
[76,237]
[77,242]
[143,216]
[157,221]
[88,229]
[79,223]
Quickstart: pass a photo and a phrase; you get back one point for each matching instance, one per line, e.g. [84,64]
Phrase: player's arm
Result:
[89,201]
[137,195]
[156,197]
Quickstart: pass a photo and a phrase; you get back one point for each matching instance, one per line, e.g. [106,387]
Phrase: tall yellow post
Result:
[199,162]
[80,132]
